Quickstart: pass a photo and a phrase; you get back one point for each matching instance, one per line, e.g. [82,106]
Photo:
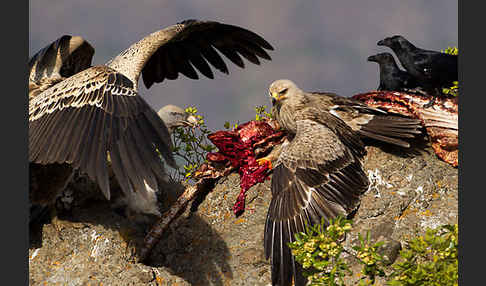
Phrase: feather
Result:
[318,177]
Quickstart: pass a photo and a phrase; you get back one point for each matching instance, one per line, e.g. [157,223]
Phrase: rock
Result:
[146,276]
[390,250]
[410,191]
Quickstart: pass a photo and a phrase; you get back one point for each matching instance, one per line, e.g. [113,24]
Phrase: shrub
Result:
[191,146]
[319,250]
[454,89]
[427,260]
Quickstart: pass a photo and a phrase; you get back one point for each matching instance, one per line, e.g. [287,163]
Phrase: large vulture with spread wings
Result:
[318,174]
[83,116]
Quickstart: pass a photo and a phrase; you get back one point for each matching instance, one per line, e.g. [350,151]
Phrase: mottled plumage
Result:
[367,121]
[84,115]
[318,175]
[392,78]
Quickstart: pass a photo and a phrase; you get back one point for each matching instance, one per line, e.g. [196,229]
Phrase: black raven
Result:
[431,69]
[391,76]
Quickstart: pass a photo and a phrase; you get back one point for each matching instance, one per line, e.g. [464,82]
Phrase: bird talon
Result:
[429,104]
[263,161]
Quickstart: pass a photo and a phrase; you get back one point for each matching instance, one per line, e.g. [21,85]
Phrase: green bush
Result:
[426,260]
[191,146]
[372,261]
[319,250]
[261,113]
[454,89]
[429,260]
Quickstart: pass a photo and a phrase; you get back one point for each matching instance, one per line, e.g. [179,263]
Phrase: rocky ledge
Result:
[410,191]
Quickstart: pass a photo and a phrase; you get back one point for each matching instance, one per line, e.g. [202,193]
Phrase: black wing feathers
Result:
[45,63]
[194,49]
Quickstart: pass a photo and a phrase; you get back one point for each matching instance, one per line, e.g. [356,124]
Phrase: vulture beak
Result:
[381,43]
[191,121]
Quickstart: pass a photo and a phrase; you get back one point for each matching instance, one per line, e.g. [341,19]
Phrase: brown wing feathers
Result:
[81,114]
[390,128]
[109,119]
[304,197]
[369,122]
[307,187]
[64,57]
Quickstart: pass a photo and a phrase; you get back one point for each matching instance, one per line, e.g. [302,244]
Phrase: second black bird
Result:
[391,76]
[431,69]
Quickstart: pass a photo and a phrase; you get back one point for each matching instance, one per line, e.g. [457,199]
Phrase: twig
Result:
[155,233]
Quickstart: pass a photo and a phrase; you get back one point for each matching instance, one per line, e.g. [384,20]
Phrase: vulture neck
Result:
[131,61]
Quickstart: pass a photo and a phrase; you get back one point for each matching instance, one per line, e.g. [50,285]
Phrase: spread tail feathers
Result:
[391,129]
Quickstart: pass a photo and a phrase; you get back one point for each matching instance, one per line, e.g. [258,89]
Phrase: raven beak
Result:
[372,59]
[381,43]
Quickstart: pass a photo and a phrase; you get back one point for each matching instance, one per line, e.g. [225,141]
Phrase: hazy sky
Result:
[320,45]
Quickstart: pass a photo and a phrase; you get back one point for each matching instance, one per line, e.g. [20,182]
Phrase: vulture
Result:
[92,118]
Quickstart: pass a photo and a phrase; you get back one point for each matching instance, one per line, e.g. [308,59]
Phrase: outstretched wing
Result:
[95,114]
[189,46]
[63,58]
[318,176]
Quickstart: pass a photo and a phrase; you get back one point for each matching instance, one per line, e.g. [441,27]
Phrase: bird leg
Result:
[435,93]
[416,90]
[55,221]
[426,93]
[430,103]
[272,156]
[265,160]
[64,202]
[63,206]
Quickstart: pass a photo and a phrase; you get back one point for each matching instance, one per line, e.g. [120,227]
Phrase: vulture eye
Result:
[283,91]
